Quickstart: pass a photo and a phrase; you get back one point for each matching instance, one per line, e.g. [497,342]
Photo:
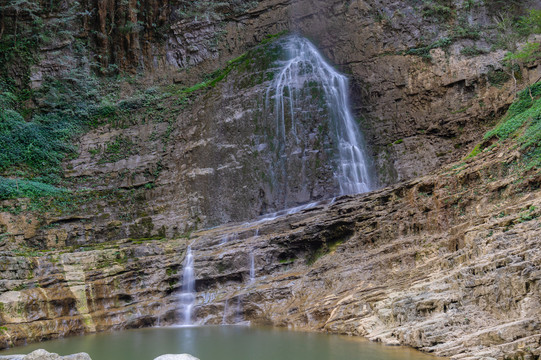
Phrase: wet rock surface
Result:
[448,263]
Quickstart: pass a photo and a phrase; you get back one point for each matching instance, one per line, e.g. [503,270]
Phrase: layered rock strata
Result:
[449,263]
[417,112]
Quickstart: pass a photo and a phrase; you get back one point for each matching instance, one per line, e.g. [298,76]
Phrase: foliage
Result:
[15,188]
[497,77]
[523,123]
[529,53]
[531,23]
[424,51]
[120,148]
[476,150]
[241,62]
[512,30]
[38,144]
[471,51]
[466,31]
[438,11]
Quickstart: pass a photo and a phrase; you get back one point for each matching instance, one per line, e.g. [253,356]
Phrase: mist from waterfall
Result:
[305,65]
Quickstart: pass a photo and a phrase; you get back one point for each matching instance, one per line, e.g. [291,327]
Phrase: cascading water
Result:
[187,297]
[252,267]
[224,315]
[305,66]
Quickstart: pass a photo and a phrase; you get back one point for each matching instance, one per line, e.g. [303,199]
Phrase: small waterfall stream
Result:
[307,66]
[187,297]
[224,315]
[252,267]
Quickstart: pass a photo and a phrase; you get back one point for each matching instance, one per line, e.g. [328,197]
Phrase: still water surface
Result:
[223,343]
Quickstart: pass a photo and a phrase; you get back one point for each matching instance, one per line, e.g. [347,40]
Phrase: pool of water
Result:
[223,343]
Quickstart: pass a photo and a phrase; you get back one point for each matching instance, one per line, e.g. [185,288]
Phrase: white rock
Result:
[78,356]
[176,357]
[11,357]
[41,354]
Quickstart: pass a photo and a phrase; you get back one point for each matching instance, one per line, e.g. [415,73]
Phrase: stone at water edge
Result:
[78,356]
[11,357]
[176,357]
[41,354]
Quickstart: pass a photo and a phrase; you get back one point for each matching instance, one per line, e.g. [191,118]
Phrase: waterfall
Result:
[227,238]
[238,311]
[305,66]
[252,267]
[224,316]
[187,297]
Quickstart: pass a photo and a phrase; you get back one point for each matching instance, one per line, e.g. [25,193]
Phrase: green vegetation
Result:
[438,11]
[511,25]
[327,247]
[497,77]
[476,150]
[37,140]
[264,53]
[471,51]
[523,124]
[424,51]
[15,188]
[120,148]
[528,214]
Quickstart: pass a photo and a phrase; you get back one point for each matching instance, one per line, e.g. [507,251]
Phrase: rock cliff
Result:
[415,90]
[448,263]
[444,257]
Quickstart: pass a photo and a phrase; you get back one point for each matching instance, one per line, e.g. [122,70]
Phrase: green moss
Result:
[476,150]
[326,248]
[287,261]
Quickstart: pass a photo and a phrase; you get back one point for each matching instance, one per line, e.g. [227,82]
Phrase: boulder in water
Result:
[176,357]
[11,357]
[78,356]
[41,354]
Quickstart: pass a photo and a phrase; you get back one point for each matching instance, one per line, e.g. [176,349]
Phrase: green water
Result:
[223,343]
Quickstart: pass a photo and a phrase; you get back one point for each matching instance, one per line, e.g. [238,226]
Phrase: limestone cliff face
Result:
[447,263]
[417,113]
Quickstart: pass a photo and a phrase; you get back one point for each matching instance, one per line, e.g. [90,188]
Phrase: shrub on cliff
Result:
[523,123]
[16,188]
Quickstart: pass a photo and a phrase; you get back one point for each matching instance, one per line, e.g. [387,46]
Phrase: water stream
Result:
[305,65]
[252,267]
[187,297]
